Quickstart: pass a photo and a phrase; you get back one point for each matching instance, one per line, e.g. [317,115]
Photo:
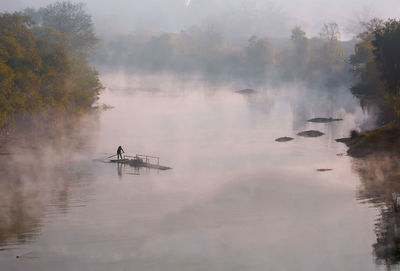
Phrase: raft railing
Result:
[144,157]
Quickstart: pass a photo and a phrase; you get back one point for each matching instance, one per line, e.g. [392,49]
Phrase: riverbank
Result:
[383,139]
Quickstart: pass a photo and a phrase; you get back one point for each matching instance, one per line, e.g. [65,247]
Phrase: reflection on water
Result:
[30,190]
[36,191]
[380,186]
[43,176]
[234,200]
[126,169]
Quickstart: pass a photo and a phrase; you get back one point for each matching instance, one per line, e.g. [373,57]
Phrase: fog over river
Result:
[235,199]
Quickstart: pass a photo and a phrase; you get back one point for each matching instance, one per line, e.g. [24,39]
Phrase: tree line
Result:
[204,51]
[44,60]
[44,63]
[369,64]
[376,63]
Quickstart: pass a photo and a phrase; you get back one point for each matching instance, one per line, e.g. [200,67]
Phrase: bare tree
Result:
[330,31]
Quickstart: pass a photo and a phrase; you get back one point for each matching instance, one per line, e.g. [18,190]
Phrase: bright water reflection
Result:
[234,200]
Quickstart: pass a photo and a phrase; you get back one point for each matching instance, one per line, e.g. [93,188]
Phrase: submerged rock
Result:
[246,91]
[324,169]
[284,139]
[311,133]
[323,120]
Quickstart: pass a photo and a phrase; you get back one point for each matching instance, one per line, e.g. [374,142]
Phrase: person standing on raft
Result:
[119,152]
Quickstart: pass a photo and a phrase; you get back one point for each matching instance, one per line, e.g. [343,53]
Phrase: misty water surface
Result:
[234,200]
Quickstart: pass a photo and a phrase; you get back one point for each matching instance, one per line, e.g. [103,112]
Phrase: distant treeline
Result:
[43,63]
[370,62]
[376,62]
[205,52]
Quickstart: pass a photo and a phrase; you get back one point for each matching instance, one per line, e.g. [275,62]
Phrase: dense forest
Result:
[44,65]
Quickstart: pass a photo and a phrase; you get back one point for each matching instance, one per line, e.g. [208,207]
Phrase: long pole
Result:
[110,156]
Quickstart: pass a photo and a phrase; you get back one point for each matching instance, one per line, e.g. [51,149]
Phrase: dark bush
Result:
[353,134]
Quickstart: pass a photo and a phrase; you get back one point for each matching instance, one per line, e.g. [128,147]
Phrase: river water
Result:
[235,199]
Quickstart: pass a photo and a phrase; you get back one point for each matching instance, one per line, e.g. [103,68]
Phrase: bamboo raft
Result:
[139,160]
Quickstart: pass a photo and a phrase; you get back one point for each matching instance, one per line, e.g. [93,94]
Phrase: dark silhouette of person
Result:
[119,151]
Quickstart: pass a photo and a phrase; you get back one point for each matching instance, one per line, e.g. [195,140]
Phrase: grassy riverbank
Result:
[383,139]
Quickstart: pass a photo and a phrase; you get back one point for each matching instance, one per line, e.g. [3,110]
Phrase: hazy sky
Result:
[247,17]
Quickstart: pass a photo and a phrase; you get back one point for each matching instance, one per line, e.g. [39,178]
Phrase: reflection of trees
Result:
[20,217]
[380,186]
[30,189]
[42,176]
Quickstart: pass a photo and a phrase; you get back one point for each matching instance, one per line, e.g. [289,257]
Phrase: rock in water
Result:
[344,140]
[246,91]
[284,139]
[311,133]
[323,120]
